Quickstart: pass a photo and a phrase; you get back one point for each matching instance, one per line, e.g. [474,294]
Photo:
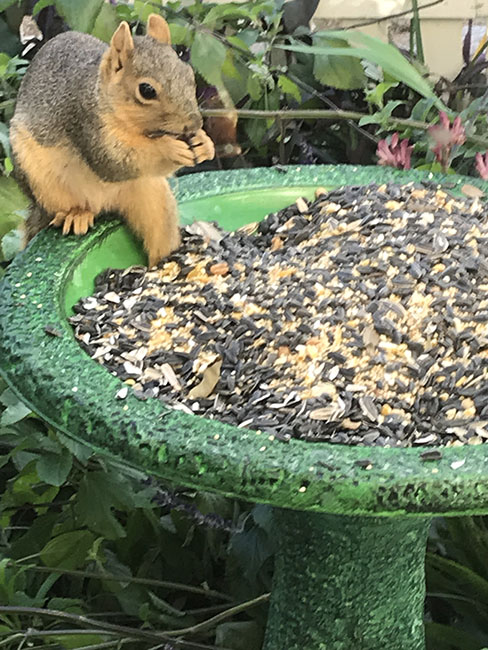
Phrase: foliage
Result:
[457,584]
[85,536]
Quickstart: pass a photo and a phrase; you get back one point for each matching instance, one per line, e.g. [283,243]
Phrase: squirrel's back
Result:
[99,128]
[59,85]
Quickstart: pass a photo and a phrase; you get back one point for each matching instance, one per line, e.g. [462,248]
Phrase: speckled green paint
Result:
[347,583]
[324,560]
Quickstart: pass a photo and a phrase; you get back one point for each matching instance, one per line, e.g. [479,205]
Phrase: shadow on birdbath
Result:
[351,522]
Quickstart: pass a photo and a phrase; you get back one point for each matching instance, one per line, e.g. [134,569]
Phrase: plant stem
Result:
[84,621]
[164,584]
[319,114]
[416,30]
[108,644]
[133,633]
[204,625]
[11,638]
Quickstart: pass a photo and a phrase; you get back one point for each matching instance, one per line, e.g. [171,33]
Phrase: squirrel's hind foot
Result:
[77,220]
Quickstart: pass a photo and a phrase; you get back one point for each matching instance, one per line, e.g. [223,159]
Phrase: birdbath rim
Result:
[43,363]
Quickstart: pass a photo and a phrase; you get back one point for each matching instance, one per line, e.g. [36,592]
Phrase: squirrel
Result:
[100,127]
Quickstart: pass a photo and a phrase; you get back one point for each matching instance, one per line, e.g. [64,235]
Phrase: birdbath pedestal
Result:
[351,522]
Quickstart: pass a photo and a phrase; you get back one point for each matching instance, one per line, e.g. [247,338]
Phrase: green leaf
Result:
[79,450]
[68,551]
[36,537]
[207,57]
[388,57]
[181,33]
[124,13]
[13,205]
[229,69]
[376,94]
[342,72]
[10,42]
[40,5]
[72,605]
[142,9]
[422,109]
[251,549]
[80,16]
[99,493]
[12,243]
[75,641]
[237,42]
[447,637]
[256,130]
[383,116]
[106,23]
[254,87]
[4,4]
[289,87]
[473,585]
[16,410]
[4,63]
[224,13]
[53,469]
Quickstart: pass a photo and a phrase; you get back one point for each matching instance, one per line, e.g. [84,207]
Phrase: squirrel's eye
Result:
[147,91]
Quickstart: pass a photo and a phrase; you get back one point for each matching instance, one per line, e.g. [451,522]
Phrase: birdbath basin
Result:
[351,522]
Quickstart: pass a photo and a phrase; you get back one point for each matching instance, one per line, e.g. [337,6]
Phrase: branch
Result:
[318,114]
[110,628]
[204,625]
[84,621]
[165,584]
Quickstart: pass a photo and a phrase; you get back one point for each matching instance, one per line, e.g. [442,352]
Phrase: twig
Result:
[84,621]
[127,632]
[98,646]
[204,625]
[13,637]
[108,644]
[151,582]
[62,632]
[373,21]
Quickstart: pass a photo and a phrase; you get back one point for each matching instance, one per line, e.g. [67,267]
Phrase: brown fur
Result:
[79,160]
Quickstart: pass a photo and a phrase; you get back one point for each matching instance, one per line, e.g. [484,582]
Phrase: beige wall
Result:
[441,25]
[459,9]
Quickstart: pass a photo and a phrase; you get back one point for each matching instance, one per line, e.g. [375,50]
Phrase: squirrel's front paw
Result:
[202,146]
[179,152]
[77,220]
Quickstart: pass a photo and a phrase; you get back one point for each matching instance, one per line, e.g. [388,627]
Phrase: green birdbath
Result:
[351,522]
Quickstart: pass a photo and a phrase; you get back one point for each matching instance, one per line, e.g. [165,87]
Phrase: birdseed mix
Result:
[360,318]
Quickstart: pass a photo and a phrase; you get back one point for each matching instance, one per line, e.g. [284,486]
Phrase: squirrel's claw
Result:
[76,220]
[202,147]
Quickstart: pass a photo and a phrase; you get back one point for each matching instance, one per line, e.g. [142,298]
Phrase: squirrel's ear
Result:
[158,28]
[121,46]
[122,43]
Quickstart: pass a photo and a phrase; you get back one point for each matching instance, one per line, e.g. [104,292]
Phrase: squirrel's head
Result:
[143,81]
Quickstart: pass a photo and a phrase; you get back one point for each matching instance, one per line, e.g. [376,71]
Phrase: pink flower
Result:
[482,165]
[446,136]
[396,154]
